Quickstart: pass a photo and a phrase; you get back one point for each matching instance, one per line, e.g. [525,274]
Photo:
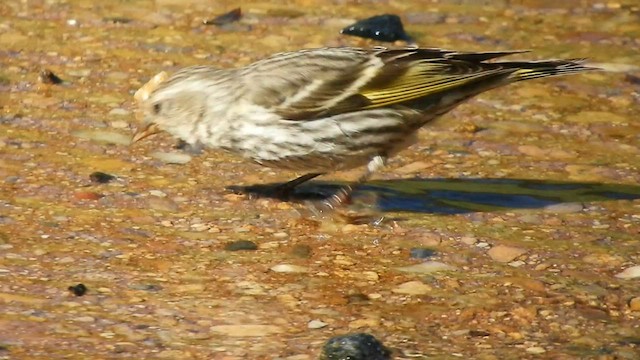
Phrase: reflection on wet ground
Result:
[458,196]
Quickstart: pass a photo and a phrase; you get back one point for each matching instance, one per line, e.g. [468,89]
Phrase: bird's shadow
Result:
[458,196]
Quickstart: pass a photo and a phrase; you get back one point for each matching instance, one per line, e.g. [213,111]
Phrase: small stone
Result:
[47,76]
[505,254]
[414,167]
[634,304]
[87,195]
[354,347]
[162,204]
[78,290]
[385,27]
[357,298]
[564,208]
[316,324]
[412,288]
[288,268]
[190,288]
[421,253]
[225,19]
[172,157]
[427,267]
[86,319]
[364,323]
[102,136]
[301,251]
[101,178]
[629,273]
[370,275]
[120,112]
[536,350]
[469,240]
[241,245]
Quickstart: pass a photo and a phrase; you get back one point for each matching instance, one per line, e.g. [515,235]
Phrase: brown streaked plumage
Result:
[329,109]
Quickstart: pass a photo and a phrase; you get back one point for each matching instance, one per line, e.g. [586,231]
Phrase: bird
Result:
[316,111]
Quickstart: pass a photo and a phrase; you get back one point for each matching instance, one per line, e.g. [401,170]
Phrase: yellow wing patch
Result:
[424,78]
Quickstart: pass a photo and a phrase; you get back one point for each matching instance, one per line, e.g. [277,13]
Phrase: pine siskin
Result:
[329,109]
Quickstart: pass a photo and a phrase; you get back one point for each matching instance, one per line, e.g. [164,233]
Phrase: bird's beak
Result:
[145,131]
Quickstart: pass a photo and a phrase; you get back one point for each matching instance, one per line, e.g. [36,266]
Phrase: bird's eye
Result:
[156,108]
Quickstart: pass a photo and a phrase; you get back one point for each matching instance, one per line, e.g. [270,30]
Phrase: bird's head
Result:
[176,105]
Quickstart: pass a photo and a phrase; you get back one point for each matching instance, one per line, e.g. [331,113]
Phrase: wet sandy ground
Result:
[511,229]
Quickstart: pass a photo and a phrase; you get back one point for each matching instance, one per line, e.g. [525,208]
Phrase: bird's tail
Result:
[528,70]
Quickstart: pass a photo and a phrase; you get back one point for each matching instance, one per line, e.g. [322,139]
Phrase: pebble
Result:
[162,204]
[469,240]
[370,275]
[78,290]
[120,112]
[316,324]
[109,137]
[190,288]
[47,76]
[634,304]
[302,251]
[504,253]
[360,346]
[246,330]
[427,267]
[288,268]
[629,273]
[536,350]
[171,157]
[85,319]
[241,245]
[412,288]
[564,208]
[414,167]
[101,178]
[421,253]
[87,195]
[385,27]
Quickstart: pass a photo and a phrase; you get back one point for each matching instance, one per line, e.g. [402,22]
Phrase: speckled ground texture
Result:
[511,229]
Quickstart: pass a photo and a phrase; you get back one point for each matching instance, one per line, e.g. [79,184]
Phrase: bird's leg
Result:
[340,197]
[284,190]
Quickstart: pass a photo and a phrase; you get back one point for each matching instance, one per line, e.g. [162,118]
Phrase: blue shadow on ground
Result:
[458,196]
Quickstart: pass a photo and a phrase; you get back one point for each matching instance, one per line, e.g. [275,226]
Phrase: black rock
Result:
[224,19]
[100,177]
[359,346]
[381,27]
[78,290]
[241,245]
[47,76]
[421,253]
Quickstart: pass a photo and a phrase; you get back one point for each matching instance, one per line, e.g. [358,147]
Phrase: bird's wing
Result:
[316,83]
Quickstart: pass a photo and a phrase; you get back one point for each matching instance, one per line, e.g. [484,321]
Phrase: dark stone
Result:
[478,333]
[381,27]
[241,245]
[117,20]
[357,298]
[224,19]
[47,76]
[422,253]
[78,290]
[146,287]
[301,251]
[359,346]
[101,178]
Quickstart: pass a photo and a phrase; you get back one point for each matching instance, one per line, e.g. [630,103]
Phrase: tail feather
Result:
[538,69]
